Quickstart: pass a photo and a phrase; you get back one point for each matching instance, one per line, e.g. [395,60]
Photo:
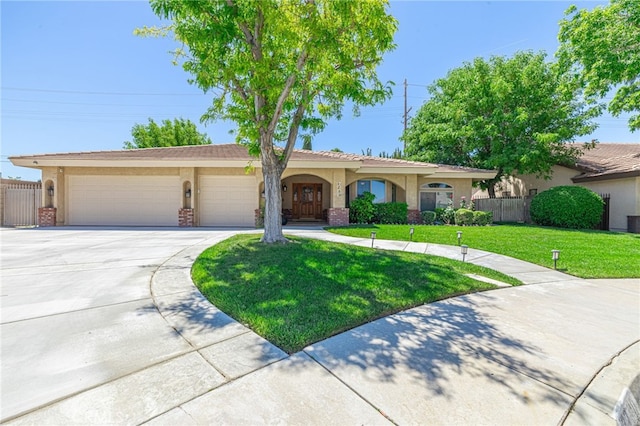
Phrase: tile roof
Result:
[608,159]
[238,152]
[222,152]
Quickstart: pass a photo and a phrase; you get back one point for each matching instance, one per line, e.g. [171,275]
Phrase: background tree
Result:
[601,49]
[178,132]
[505,114]
[397,154]
[275,67]
[306,142]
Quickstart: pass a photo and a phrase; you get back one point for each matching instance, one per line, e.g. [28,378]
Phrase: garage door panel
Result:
[124,200]
[228,200]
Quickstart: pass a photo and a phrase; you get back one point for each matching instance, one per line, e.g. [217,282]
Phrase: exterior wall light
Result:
[373,238]
[187,193]
[459,237]
[464,249]
[555,255]
[284,187]
[50,191]
[411,233]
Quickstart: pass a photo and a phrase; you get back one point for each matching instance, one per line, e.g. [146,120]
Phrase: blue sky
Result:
[75,78]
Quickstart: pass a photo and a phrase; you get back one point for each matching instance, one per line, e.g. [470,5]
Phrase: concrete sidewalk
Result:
[560,351]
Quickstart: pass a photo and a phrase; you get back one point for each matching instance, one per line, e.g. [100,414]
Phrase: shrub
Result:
[390,213]
[482,218]
[439,212]
[428,217]
[567,207]
[361,209]
[449,214]
[464,217]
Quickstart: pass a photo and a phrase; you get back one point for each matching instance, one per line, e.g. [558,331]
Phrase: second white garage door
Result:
[124,200]
[228,200]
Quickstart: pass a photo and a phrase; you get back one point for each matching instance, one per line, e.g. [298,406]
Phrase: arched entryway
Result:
[306,198]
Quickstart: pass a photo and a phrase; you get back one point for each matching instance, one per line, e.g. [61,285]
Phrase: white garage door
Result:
[228,200]
[124,200]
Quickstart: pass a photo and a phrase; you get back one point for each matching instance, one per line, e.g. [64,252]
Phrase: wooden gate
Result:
[20,203]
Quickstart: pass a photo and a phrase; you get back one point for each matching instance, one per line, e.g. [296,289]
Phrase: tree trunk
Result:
[491,189]
[273,203]
[273,206]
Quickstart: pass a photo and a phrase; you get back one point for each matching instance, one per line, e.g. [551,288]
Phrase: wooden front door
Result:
[307,201]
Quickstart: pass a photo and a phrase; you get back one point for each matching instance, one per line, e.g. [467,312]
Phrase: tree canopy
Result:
[600,48]
[504,114]
[178,132]
[275,67]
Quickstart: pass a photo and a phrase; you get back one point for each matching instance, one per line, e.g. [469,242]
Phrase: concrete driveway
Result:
[103,326]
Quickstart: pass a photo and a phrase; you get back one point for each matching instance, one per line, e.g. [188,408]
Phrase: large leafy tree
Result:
[275,67]
[504,114]
[600,48]
[178,132]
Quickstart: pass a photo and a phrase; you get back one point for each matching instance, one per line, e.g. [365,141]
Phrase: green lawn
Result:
[586,254]
[298,293]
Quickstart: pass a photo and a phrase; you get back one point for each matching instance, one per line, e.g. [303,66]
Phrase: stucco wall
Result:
[461,187]
[625,199]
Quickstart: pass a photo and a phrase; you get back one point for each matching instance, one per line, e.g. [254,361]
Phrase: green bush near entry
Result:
[390,213]
[464,217]
[567,207]
[428,217]
[482,218]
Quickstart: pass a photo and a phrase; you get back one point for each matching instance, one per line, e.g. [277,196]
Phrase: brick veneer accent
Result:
[338,217]
[185,217]
[414,217]
[47,216]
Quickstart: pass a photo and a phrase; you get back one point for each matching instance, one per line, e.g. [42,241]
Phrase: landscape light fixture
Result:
[459,237]
[187,193]
[411,233]
[50,191]
[464,249]
[373,238]
[555,255]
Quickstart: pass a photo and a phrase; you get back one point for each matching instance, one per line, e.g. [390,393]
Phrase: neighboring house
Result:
[211,185]
[609,168]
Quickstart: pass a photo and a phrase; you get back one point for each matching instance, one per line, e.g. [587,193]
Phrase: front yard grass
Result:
[583,253]
[299,293]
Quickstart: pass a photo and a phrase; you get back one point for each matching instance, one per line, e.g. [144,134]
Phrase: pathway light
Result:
[464,249]
[555,255]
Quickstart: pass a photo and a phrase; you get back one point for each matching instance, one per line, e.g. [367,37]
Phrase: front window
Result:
[435,195]
[376,187]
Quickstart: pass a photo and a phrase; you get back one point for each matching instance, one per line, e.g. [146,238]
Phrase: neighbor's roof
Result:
[234,155]
[609,161]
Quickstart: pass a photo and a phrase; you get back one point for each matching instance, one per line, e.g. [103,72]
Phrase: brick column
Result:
[185,218]
[414,217]
[47,216]
[338,217]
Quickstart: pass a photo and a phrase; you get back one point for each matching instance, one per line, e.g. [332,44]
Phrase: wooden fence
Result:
[506,209]
[19,203]
[516,209]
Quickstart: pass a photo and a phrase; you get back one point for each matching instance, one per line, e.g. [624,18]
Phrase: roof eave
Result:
[397,170]
[608,176]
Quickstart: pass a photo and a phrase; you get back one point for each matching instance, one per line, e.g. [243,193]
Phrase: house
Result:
[211,185]
[609,168]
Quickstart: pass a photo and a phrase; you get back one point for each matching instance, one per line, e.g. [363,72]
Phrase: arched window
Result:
[435,195]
